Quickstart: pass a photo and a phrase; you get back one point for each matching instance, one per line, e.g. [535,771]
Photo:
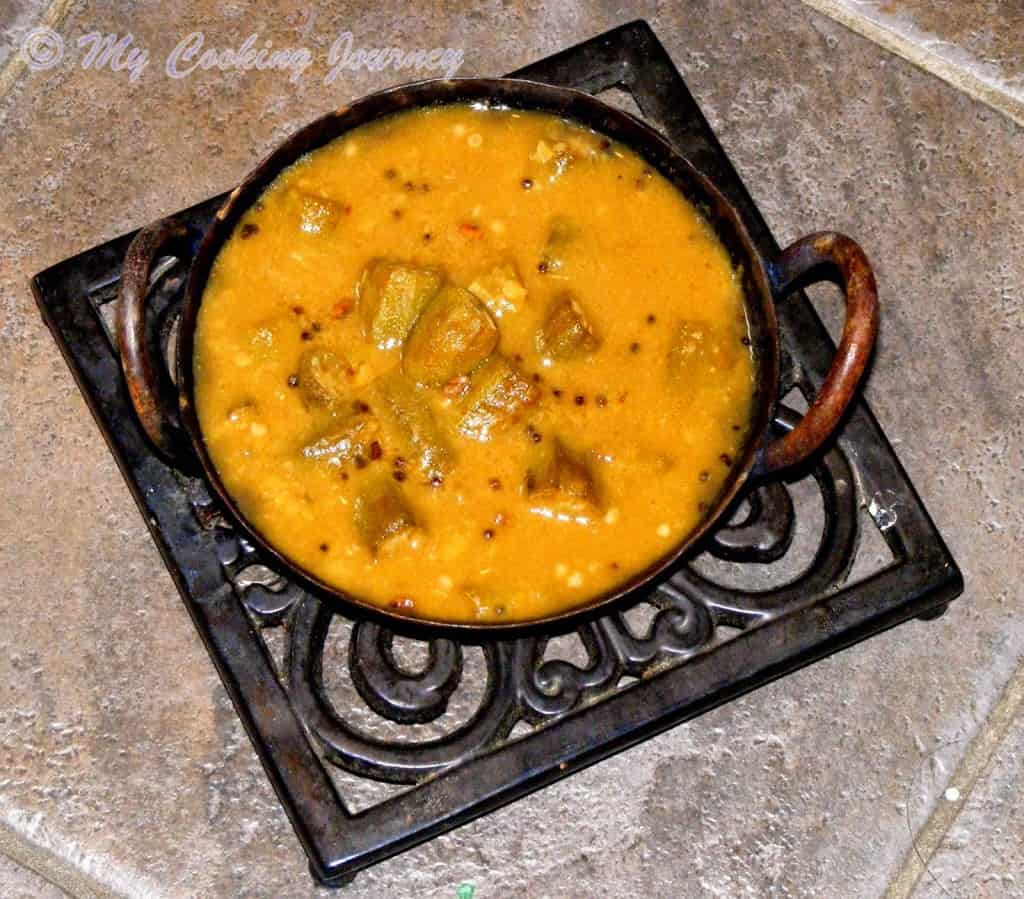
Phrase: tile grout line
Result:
[959,78]
[975,764]
[45,864]
[53,18]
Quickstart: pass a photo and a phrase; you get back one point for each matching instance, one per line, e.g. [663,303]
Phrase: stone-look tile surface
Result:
[120,749]
[982,855]
[973,43]
[17,882]
[17,17]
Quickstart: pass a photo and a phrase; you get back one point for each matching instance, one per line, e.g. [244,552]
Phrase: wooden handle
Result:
[827,255]
[156,410]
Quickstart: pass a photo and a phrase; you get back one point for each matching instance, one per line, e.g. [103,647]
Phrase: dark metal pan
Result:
[169,419]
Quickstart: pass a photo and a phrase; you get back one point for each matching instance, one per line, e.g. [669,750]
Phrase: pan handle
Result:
[826,255]
[148,384]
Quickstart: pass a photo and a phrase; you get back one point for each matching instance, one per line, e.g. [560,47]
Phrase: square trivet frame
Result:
[705,645]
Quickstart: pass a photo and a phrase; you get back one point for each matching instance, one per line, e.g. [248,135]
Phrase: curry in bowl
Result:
[473,364]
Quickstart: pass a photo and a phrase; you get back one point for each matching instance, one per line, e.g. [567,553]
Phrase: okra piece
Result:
[561,481]
[324,379]
[408,412]
[381,511]
[391,296]
[562,236]
[498,392]
[566,333]
[345,441]
[450,338]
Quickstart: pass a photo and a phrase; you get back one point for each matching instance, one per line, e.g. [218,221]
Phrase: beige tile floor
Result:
[125,771]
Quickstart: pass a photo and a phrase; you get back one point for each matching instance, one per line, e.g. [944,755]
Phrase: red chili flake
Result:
[536,377]
[398,475]
[344,475]
[615,565]
[396,214]
[601,400]
[494,484]
[651,318]
[470,229]
[360,406]
[436,480]
[735,427]
[542,267]
[527,183]
[536,437]
[298,310]
[403,602]
[409,185]
[390,173]
[258,206]
[324,547]
[726,459]
[248,230]
[425,187]
[704,475]
[306,335]
[501,518]
[702,508]
[293,380]
[579,399]
[488,534]
[399,462]
[375,450]
[518,358]
[317,326]
[557,393]
[427,237]
[634,347]
[605,144]
[347,209]
[360,462]
[341,309]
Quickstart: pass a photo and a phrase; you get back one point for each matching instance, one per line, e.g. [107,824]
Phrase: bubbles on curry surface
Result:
[457,298]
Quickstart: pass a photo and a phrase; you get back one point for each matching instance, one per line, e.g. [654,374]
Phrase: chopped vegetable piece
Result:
[391,295]
[450,338]
[501,290]
[562,236]
[380,512]
[324,378]
[344,441]
[560,482]
[408,413]
[498,392]
[698,348]
[317,214]
[566,333]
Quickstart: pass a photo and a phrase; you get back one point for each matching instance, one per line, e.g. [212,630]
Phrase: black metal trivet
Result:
[334,706]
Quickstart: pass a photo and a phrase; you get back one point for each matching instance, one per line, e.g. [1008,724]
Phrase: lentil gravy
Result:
[473,364]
